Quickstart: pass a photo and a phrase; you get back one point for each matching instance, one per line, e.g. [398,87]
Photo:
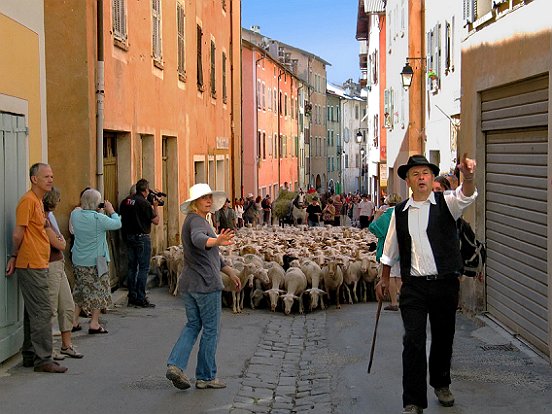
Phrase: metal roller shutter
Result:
[517,208]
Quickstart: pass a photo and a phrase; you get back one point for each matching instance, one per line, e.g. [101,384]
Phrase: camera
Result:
[101,205]
[153,196]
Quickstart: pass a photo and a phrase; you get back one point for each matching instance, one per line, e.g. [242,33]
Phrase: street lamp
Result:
[406,76]
[407,72]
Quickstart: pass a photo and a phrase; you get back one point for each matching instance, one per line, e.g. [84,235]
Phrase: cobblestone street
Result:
[286,373]
[277,364]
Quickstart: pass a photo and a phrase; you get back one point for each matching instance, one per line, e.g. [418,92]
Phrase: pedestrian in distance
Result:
[423,238]
[226,217]
[266,205]
[138,214]
[201,288]
[238,208]
[29,259]
[91,257]
[61,298]
[441,184]
[314,211]
[249,210]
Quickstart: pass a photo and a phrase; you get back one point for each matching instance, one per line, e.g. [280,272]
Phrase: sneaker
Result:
[214,383]
[445,397]
[70,351]
[56,356]
[178,378]
[412,409]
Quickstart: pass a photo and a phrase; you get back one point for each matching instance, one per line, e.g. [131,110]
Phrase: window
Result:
[119,19]
[275,101]
[448,48]
[269,99]
[213,73]
[224,90]
[275,146]
[264,146]
[156,30]
[376,130]
[280,104]
[258,145]
[357,112]
[285,105]
[199,40]
[181,46]
[263,96]
[259,106]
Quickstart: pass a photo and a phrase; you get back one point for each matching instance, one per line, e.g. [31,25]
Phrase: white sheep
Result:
[295,283]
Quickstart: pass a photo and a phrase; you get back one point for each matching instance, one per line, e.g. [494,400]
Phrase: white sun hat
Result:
[200,190]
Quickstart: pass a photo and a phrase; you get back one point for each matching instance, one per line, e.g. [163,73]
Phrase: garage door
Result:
[514,119]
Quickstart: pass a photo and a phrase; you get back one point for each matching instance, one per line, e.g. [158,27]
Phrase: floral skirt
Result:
[91,291]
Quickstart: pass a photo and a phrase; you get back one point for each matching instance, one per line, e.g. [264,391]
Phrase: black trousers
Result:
[437,299]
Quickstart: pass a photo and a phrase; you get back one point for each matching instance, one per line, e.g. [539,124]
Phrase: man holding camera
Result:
[138,213]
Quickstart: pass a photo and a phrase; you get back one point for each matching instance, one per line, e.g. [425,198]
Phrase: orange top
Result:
[34,250]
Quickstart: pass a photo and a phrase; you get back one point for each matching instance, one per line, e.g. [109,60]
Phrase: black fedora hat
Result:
[416,161]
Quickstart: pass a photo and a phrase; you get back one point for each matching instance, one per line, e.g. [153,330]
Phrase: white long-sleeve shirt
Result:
[423,262]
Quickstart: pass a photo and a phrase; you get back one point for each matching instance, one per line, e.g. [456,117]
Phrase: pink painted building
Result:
[270,126]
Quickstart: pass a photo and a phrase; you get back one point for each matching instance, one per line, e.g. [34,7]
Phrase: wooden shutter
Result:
[118,11]
[224,90]
[156,29]
[213,66]
[180,22]
[199,64]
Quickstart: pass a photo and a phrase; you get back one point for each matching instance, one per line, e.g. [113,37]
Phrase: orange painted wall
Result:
[142,97]
[261,164]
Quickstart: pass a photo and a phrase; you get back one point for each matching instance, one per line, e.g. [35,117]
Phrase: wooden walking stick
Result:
[378,312]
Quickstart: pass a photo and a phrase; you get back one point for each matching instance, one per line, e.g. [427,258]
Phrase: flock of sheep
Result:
[279,267]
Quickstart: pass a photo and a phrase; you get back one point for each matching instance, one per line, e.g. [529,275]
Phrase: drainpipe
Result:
[100,93]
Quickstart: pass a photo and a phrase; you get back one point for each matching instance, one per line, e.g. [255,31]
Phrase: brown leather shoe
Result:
[52,367]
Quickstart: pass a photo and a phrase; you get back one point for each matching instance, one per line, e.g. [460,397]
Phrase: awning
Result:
[365,9]
[374,6]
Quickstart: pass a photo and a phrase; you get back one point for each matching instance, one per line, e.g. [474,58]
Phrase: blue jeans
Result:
[203,310]
[139,254]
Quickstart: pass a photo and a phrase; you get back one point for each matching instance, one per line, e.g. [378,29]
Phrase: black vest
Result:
[442,234]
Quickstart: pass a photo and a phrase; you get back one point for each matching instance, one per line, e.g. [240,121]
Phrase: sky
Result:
[325,28]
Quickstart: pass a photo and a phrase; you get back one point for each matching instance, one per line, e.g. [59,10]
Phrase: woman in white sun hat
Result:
[201,288]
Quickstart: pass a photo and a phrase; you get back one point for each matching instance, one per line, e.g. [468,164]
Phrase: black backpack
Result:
[474,252]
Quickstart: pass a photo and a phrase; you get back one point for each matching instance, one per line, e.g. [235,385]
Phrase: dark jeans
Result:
[364,222]
[139,254]
[439,300]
